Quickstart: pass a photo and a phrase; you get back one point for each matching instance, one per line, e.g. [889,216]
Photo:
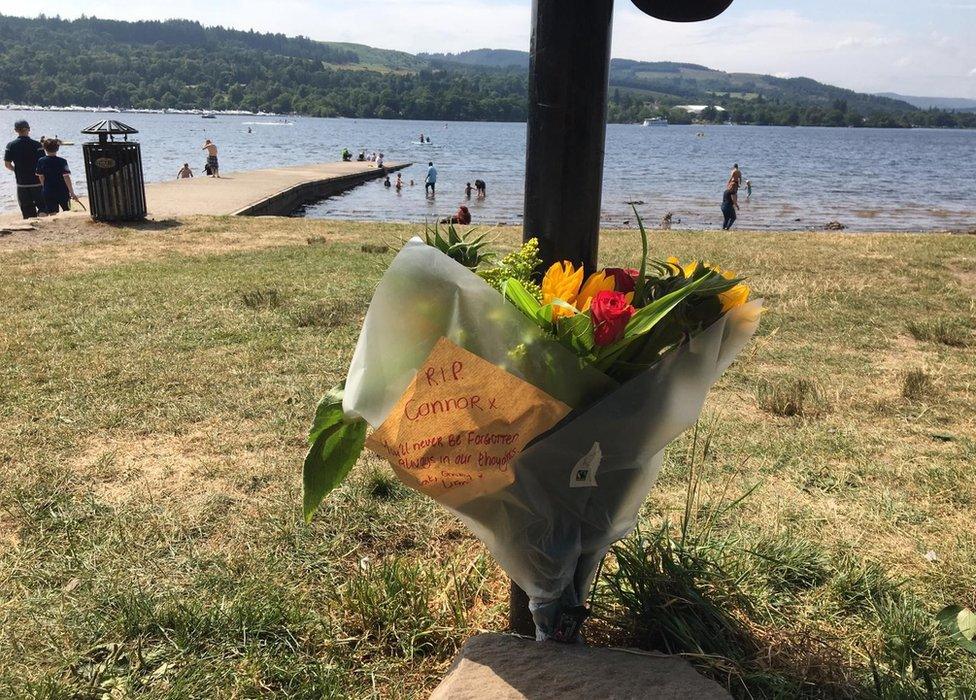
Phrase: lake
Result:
[868,179]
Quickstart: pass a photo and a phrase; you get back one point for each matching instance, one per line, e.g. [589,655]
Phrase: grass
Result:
[152,427]
[954,333]
[791,397]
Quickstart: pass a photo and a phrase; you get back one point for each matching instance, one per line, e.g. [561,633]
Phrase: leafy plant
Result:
[960,623]
[336,444]
[462,248]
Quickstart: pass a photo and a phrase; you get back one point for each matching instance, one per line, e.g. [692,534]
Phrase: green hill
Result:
[179,64]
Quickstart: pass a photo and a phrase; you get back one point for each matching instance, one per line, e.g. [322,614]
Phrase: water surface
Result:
[868,179]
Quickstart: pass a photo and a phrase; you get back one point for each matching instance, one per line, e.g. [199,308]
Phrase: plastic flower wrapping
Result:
[537,413]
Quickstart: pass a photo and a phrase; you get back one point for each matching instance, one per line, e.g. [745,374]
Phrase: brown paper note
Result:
[457,429]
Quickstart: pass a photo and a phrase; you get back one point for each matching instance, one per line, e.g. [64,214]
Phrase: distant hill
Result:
[179,64]
[961,104]
[695,83]
[490,58]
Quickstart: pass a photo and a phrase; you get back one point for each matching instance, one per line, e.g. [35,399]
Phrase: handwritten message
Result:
[458,427]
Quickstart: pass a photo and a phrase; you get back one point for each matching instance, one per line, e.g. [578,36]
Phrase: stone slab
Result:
[504,667]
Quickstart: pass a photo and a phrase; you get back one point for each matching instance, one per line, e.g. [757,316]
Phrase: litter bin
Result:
[116,188]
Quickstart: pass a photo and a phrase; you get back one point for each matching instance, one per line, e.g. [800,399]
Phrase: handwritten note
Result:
[458,427]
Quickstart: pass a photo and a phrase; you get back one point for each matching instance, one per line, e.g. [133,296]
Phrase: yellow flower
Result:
[562,281]
[597,282]
[732,298]
[688,269]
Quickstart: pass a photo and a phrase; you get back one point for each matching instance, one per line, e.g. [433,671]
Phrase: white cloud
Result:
[972,73]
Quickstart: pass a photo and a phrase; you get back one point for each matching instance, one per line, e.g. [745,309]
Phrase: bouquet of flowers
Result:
[537,413]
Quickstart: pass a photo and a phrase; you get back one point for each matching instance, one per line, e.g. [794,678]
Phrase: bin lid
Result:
[109,127]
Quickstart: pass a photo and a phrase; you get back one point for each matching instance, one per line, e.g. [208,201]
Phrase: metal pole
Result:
[569,70]
[568,74]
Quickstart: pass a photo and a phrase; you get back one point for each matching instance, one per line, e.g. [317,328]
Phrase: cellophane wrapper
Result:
[546,533]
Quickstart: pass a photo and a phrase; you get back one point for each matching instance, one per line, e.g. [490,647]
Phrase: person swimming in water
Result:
[467,190]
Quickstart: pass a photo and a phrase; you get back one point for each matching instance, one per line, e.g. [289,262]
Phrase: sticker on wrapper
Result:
[457,429]
[584,473]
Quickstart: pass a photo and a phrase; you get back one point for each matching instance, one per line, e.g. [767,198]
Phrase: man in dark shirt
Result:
[20,157]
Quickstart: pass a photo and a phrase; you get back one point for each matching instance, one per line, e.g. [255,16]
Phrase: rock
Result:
[503,667]
[834,226]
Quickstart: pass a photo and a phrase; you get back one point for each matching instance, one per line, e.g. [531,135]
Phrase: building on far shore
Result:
[698,109]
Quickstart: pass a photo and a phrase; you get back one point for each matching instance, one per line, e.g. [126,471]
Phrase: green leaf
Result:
[525,302]
[960,622]
[336,445]
[646,318]
[576,333]
[642,273]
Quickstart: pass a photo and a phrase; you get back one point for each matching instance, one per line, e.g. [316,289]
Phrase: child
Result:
[399,183]
[467,190]
[386,182]
[55,177]
[185,172]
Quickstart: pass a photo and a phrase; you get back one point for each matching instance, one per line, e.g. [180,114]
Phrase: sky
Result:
[907,46]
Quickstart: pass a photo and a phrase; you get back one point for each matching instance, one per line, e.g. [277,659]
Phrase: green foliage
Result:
[960,623]
[519,265]
[184,65]
[336,444]
[463,248]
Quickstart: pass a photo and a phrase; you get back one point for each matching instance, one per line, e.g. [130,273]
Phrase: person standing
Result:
[20,157]
[430,182]
[735,179]
[56,187]
[729,204]
[212,162]
[481,188]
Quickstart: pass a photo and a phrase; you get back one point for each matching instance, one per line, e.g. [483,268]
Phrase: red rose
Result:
[624,278]
[610,313]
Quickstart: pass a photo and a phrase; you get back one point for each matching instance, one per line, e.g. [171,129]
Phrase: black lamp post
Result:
[568,79]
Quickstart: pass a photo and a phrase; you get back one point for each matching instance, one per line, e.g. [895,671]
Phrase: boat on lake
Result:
[656,121]
[208,116]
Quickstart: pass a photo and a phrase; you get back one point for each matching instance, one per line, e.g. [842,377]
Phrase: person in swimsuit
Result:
[467,190]
[735,178]
[481,187]
[212,163]
[185,172]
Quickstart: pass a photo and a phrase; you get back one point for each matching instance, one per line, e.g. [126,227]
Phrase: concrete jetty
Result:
[270,191]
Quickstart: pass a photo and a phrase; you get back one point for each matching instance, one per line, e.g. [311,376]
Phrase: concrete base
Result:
[503,667]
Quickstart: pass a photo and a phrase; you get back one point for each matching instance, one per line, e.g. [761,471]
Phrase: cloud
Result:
[972,73]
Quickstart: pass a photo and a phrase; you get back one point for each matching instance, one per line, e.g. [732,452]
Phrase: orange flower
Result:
[595,283]
[562,281]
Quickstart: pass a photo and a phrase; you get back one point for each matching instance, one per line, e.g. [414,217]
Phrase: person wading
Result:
[20,157]
[430,182]
[212,162]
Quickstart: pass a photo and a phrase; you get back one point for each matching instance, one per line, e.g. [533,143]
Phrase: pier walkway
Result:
[270,191]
